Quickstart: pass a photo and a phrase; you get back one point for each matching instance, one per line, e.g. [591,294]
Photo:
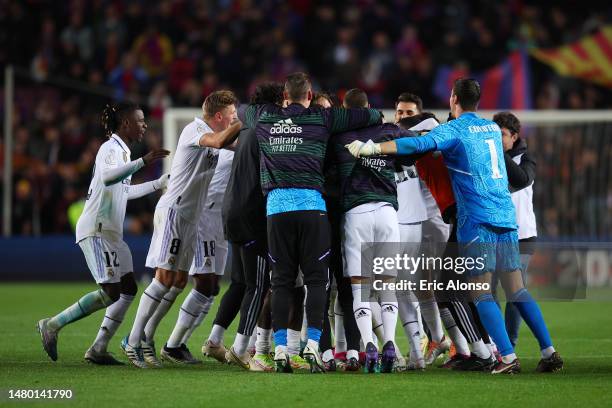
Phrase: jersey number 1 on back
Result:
[494,162]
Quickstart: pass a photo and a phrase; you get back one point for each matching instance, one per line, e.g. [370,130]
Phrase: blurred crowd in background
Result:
[72,57]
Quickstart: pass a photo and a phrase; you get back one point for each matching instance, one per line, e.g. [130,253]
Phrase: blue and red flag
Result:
[505,86]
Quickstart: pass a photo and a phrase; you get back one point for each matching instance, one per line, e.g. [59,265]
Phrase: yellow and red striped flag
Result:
[589,58]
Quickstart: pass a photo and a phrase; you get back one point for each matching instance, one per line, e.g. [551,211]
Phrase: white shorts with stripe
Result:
[211,247]
[108,257]
[378,227]
[172,242]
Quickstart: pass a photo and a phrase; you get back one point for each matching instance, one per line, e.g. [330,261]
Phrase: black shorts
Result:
[299,240]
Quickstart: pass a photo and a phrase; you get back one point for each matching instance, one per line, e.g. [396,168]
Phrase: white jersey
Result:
[218,183]
[411,204]
[192,168]
[105,205]
[523,204]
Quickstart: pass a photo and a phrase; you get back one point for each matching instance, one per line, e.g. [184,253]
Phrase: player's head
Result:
[407,104]
[510,127]
[355,98]
[269,92]
[465,96]
[298,89]
[322,99]
[125,119]
[220,109]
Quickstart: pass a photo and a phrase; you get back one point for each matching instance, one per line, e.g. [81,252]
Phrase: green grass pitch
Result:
[581,330]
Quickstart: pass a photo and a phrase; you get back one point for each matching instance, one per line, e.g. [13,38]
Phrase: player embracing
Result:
[473,153]
[175,221]
[99,231]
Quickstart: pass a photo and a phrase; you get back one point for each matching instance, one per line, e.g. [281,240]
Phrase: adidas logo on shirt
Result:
[285,126]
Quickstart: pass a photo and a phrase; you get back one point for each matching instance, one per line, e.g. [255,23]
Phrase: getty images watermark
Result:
[551,270]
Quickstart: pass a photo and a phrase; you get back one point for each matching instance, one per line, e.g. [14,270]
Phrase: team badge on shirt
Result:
[171,261]
[125,157]
[110,272]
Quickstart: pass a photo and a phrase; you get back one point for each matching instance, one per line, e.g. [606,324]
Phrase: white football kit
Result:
[176,213]
[211,247]
[99,230]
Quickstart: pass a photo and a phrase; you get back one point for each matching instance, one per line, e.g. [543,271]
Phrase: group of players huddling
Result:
[299,190]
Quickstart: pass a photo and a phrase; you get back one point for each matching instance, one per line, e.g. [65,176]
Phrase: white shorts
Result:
[172,243]
[435,235]
[379,227]
[211,247]
[108,258]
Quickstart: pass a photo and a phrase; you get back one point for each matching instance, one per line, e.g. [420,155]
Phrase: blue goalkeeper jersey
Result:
[473,152]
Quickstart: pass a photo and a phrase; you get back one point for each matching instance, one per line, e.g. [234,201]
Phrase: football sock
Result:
[241,342]
[162,310]
[112,319]
[389,318]
[377,322]
[494,322]
[340,334]
[480,349]
[454,333]
[409,317]
[531,313]
[262,345]
[252,340]
[431,315]
[293,342]
[198,321]
[91,302]
[363,314]
[280,338]
[314,334]
[192,306]
[216,334]
[149,301]
[327,356]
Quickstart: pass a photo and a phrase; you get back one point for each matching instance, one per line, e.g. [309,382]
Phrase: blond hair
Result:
[217,101]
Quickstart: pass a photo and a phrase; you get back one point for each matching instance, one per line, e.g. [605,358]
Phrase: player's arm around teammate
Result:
[99,231]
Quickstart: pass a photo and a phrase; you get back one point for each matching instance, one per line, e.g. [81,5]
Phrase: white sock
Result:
[262,345]
[454,333]
[216,334]
[431,315]
[388,306]
[547,352]
[198,322]
[363,314]
[339,327]
[192,306]
[480,349]
[149,301]
[409,316]
[492,347]
[112,319]
[161,312]
[352,354]
[252,340]
[241,343]
[377,321]
[304,332]
[293,342]
[327,356]
[509,358]
[313,344]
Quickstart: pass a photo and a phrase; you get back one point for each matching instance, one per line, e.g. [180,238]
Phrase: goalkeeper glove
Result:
[360,149]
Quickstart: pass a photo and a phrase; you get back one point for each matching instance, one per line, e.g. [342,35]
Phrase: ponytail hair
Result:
[114,114]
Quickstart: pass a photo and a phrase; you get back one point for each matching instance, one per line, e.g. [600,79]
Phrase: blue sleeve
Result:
[444,136]
[412,145]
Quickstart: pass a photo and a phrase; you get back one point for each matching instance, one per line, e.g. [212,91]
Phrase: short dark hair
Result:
[507,120]
[467,91]
[410,97]
[297,86]
[323,95]
[356,98]
[113,114]
[269,92]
